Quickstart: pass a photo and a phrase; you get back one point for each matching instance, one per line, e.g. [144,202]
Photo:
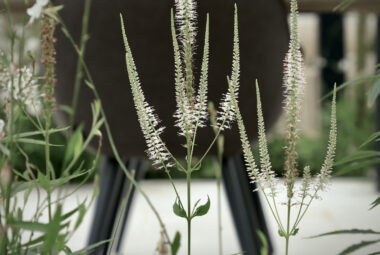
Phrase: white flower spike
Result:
[35,11]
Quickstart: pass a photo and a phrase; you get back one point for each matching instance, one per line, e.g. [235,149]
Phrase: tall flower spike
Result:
[147,118]
[326,169]
[266,167]
[201,100]
[183,114]
[294,83]
[252,169]
[186,18]
[227,114]
[306,183]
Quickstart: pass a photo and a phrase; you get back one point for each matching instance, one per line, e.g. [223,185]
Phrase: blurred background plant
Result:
[35,155]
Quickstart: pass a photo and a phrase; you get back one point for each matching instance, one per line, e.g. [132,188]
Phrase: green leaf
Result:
[358,246]
[202,209]
[29,225]
[375,253]
[43,181]
[67,250]
[89,84]
[52,231]
[372,137]
[357,156]
[358,165]
[82,212]
[295,232]
[90,248]
[373,93]
[35,141]
[375,203]
[197,167]
[344,4]
[178,209]
[74,146]
[281,233]
[37,132]
[28,191]
[348,231]
[20,187]
[67,109]
[176,243]
[34,241]
[349,83]
[70,213]
[264,250]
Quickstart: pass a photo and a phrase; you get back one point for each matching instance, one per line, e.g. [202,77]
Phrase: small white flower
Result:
[22,86]
[35,11]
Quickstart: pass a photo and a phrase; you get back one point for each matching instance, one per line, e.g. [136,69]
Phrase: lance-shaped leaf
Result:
[202,209]
[178,209]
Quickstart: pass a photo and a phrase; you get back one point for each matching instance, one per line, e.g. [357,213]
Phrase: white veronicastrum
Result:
[264,177]
[147,118]
[191,112]
[227,112]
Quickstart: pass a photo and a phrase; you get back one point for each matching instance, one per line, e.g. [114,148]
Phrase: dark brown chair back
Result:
[263,43]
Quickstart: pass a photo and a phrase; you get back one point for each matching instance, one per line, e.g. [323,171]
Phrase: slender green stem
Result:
[287,234]
[219,184]
[122,211]
[47,161]
[110,137]
[209,148]
[173,185]
[287,245]
[188,181]
[307,207]
[189,212]
[79,70]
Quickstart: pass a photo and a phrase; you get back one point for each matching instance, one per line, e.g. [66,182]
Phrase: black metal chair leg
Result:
[113,186]
[245,205]
[139,167]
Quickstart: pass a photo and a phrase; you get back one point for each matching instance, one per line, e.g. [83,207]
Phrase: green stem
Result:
[122,211]
[47,161]
[79,70]
[219,184]
[287,234]
[189,213]
[287,245]
[110,137]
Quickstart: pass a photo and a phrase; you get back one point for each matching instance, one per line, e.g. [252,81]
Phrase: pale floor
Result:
[344,206]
